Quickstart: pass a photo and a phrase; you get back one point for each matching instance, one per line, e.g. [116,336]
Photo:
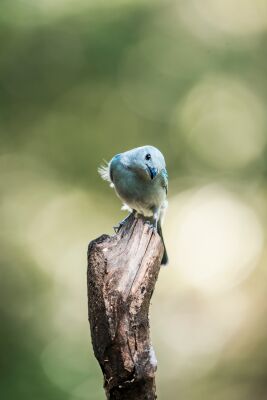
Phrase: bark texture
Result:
[122,272]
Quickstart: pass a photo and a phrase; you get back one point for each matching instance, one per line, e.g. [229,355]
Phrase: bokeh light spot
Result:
[216,238]
[214,18]
[223,122]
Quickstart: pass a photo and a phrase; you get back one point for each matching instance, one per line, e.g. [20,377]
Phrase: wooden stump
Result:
[122,272]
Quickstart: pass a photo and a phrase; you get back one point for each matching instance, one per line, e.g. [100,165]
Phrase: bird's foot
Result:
[118,227]
[152,224]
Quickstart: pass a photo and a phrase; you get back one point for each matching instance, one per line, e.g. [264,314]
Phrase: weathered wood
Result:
[122,272]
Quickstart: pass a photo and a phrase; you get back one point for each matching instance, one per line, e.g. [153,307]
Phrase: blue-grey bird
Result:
[140,179]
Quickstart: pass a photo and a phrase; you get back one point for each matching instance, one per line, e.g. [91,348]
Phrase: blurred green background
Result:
[81,80]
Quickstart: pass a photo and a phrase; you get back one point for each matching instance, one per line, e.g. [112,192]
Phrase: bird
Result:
[140,179]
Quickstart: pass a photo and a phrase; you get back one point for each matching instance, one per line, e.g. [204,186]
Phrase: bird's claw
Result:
[152,225]
[149,223]
[118,227]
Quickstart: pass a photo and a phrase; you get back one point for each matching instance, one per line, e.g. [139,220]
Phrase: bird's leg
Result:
[118,227]
[152,221]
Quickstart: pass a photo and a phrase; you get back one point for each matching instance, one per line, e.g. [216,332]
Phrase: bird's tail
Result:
[165,258]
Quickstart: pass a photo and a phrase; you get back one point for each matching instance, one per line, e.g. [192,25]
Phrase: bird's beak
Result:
[152,171]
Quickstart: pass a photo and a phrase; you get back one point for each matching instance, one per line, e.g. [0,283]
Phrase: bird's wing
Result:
[164,176]
[104,172]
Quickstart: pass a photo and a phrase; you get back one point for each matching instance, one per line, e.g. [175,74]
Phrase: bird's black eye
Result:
[148,156]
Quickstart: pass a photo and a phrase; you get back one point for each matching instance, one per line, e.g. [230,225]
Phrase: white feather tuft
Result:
[103,171]
[125,207]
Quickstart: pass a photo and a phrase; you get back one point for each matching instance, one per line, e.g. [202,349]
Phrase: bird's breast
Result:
[140,194]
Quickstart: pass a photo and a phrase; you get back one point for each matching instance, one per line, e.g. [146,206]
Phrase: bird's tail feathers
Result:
[165,258]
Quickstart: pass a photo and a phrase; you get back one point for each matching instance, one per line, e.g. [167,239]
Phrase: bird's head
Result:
[145,161]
